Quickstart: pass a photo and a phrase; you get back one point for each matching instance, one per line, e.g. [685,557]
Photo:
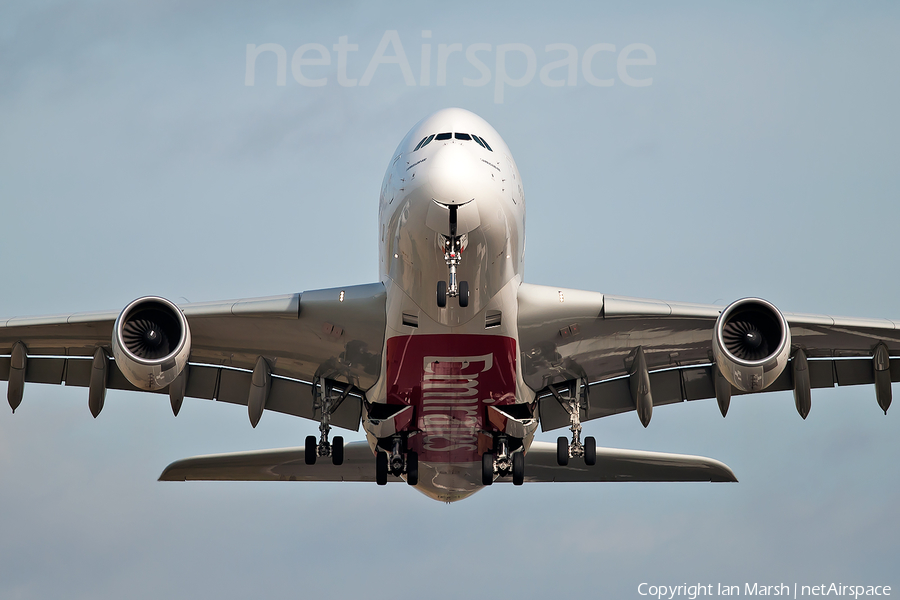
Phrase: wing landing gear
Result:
[573,397]
[328,396]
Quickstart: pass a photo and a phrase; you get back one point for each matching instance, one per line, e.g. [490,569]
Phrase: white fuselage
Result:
[449,364]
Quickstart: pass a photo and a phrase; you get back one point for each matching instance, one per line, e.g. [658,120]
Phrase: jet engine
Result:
[751,344]
[151,342]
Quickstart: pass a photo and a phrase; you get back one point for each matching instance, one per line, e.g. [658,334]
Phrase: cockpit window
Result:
[424,142]
[484,143]
[446,136]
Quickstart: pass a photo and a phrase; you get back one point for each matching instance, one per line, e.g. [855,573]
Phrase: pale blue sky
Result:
[133,160]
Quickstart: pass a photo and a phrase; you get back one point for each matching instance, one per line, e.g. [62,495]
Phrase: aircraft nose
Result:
[454,175]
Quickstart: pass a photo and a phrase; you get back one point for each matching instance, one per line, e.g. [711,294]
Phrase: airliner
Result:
[451,362]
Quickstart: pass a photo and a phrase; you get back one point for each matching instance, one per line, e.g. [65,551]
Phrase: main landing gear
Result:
[503,460]
[393,457]
[453,247]
[328,396]
[573,398]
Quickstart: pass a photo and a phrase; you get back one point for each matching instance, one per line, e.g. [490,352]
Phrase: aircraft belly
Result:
[449,482]
[450,380]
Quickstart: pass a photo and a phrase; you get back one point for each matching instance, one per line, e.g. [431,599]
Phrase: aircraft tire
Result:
[442,294]
[337,450]
[381,468]
[487,468]
[518,470]
[311,451]
[562,451]
[590,451]
[463,294]
[412,468]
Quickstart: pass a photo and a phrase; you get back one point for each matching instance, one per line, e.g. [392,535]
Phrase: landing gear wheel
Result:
[487,468]
[463,294]
[518,470]
[590,451]
[311,451]
[442,294]
[337,450]
[562,451]
[412,468]
[381,468]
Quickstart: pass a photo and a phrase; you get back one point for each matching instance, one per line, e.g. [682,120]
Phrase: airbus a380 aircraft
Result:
[451,362]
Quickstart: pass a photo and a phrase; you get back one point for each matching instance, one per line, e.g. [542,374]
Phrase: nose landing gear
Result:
[453,248]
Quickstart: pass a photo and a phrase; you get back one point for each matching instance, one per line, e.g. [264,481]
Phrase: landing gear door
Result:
[467,218]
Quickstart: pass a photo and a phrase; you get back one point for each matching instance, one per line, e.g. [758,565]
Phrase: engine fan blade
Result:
[145,339]
[745,340]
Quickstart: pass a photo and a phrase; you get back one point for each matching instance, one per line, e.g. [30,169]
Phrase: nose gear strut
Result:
[452,255]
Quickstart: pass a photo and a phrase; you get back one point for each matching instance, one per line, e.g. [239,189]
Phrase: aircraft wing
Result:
[576,335]
[334,333]
[287,464]
[616,464]
[282,464]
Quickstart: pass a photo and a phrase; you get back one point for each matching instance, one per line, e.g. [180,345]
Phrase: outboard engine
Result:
[151,342]
[751,344]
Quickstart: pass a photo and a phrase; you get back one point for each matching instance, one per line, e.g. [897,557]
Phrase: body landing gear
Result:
[502,461]
[573,399]
[518,468]
[396,462]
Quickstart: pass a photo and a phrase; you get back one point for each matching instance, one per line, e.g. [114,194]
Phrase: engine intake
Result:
[151,342]
[751,344]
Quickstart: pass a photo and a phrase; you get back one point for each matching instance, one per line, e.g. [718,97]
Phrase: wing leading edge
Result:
[573,335]
[334,333]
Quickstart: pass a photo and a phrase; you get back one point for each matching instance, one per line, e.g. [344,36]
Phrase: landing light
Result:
[561,298]
[342,296]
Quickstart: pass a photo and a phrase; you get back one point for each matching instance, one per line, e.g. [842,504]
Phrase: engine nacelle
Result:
[751,344]
[151,342]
